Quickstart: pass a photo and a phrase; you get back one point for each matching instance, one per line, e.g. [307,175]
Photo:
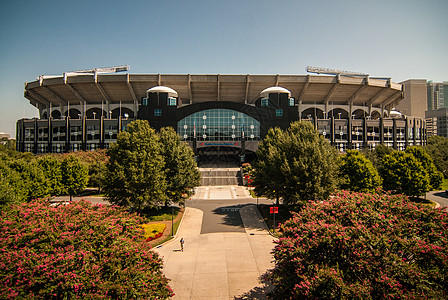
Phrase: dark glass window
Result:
[218,125]
[172,101]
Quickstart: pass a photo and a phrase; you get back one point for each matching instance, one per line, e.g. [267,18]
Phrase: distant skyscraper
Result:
[437,113]
[437,94]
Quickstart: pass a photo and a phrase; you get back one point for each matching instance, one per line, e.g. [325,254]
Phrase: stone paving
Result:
[219,265]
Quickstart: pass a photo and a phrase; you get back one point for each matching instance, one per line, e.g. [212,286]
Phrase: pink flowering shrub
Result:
[77,251]
[363,246]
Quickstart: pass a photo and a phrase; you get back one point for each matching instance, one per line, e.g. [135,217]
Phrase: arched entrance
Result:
[220,135]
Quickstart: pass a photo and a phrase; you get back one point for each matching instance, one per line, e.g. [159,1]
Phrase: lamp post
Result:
[172,221]
[273,231]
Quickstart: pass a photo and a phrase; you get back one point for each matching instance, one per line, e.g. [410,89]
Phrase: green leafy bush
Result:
[76,251]
[363,246]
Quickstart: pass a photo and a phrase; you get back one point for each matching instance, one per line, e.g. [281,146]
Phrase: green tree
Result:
[435,177]
[404,174]
[358,173]
[35,183]
[12,189]
[296,165]
[437,148]
[52,171]
[181,172]
[134,175]
[74,175]
[377,154]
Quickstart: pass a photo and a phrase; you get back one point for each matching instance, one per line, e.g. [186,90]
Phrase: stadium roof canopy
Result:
[130,88]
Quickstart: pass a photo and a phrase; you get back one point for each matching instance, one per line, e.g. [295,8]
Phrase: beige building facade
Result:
[415,101]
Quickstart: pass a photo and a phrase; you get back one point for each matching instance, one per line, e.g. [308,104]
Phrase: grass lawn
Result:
[444,185]
[161,214]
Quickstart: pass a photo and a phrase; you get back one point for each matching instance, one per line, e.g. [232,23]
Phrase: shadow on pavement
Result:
[441,194]
[230,215]
[256,293]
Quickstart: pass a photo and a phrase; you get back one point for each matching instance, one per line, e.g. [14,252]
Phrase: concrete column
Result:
[406,136]
[102,132]
[332,131]
[67,133]
[364,133]
[50,135]
[36,136]
[84,134]
[394,135]
[381,130]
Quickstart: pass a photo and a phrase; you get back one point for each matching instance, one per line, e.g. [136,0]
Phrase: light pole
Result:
[172,221]
[273,231]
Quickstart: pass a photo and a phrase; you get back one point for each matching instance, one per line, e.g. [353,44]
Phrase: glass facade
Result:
[218,125]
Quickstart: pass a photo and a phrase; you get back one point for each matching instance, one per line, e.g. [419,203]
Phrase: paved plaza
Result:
[225,258]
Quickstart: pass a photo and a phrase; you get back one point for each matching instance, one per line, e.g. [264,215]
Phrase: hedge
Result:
[77,251]
[363,246]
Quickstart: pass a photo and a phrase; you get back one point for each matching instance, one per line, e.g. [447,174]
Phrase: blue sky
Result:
[401,39]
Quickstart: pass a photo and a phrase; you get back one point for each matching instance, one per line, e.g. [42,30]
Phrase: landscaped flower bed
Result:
[153,230]
[362,246]
[77,251]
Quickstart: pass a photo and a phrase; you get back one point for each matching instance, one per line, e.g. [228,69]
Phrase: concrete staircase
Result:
[220,176]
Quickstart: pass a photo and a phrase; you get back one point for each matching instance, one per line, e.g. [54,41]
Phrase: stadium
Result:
[216,114]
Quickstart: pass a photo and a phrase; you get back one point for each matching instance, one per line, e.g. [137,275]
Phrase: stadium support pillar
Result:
[332,131]
[102,132]
[300,110]
[406,136]
[84,134]
[36,135]
[349,132]
[381,130]
[50,135]
[364,133]
[394,134]
[67,133]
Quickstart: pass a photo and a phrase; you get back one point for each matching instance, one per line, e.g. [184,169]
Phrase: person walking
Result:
[182,244]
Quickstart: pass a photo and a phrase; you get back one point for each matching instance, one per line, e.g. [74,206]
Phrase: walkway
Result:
[226,192]
[438,196]
[219,265]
